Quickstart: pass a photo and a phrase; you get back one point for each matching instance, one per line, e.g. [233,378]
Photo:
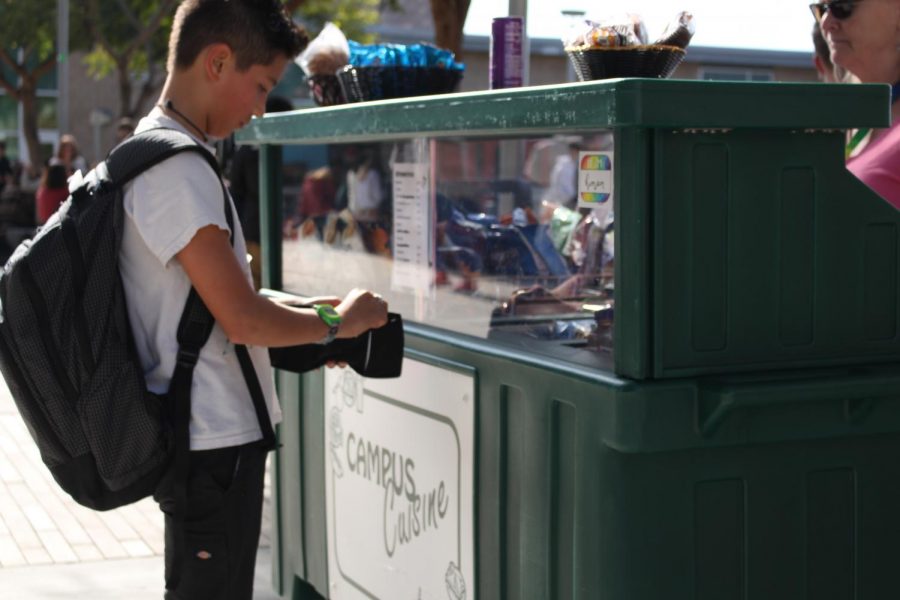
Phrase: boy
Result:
[225,56]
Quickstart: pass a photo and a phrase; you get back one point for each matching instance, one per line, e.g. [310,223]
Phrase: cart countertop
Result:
[574,107]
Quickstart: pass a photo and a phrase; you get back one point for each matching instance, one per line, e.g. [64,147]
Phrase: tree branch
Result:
[151,27]
[93,26]
[149,87]
[129,14]
[462,9]
[11,90]
[11,63]
[44,68]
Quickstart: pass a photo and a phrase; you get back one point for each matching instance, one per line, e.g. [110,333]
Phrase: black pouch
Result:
[377,353]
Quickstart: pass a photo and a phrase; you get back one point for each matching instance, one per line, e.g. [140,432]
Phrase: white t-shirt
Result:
[563,181]
[364,194]
[164,208]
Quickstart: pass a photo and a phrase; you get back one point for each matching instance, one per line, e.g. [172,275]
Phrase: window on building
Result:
[46,104]
[8,108]
[735,74]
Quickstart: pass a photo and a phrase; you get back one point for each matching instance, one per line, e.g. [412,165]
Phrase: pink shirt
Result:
[878,166]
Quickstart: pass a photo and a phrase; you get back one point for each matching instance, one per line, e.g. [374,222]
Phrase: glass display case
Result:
[490,238]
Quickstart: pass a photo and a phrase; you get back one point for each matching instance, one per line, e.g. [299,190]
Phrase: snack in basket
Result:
[325,54]
[321,60]
[327,62]
[629,31]
[619,48]
[679,32]
[622,32]
[401,55]
[382,71]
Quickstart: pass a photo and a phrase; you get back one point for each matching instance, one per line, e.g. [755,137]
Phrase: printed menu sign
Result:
[412,227]
[399,484]
[595,179]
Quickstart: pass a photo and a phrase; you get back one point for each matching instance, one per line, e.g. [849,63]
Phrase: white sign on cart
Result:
[399,484]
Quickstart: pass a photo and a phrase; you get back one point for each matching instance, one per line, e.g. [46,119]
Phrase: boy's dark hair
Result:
[255,30]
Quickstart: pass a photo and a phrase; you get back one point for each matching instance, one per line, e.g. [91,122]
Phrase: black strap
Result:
[194,330]
[256,393]
[250,375]
[147,149]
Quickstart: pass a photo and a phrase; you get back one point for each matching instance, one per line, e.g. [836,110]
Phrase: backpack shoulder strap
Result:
[149,148]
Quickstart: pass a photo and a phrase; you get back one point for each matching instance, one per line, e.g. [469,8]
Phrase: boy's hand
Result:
[361,310]
[332,300]
[304,302]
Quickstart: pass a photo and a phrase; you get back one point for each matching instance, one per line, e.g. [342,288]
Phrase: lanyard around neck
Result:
[861,134]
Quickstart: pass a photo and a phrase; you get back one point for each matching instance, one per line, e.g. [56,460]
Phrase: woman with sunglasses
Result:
[864,39]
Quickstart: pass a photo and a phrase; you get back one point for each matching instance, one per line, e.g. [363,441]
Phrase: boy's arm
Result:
[248,318]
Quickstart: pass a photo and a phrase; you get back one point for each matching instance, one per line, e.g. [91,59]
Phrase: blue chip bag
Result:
[400,55]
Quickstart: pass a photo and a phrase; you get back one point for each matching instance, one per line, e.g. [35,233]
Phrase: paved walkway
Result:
[41,527]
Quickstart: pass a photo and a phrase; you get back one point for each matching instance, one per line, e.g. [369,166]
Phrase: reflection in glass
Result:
[478,236]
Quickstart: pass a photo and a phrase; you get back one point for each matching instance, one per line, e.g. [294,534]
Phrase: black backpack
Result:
[67,352]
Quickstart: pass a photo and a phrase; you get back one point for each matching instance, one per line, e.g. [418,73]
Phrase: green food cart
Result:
[651,346]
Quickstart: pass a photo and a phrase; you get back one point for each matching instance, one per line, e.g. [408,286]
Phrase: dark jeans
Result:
[221,528]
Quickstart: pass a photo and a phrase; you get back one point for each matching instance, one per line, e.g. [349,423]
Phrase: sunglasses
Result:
[839,9]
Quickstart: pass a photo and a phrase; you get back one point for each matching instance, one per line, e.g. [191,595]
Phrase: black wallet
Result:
[377,353]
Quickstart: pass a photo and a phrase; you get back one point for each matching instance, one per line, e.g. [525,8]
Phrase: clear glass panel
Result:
[478,236]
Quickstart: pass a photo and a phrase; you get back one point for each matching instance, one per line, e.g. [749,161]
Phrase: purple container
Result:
[507,63]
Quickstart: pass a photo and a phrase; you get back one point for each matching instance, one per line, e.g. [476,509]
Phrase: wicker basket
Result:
[326,90]
[379,83]
[634,61]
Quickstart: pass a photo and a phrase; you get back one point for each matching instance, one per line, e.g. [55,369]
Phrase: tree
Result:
[353,17]
[449,17]
[28,51]
[130,37]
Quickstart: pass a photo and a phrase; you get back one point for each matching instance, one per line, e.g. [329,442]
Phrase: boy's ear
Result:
[215,58]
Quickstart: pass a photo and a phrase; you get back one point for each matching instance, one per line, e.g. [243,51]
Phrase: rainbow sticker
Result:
[595,178]
[596,162]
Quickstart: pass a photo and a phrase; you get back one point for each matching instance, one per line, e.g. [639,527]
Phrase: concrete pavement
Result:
[51,547]
[119,579]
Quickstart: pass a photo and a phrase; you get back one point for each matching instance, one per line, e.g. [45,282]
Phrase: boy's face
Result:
[243,94]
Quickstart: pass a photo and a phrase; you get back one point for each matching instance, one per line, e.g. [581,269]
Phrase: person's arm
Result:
[248,318]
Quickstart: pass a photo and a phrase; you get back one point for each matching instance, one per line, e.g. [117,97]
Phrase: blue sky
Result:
[762,24]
